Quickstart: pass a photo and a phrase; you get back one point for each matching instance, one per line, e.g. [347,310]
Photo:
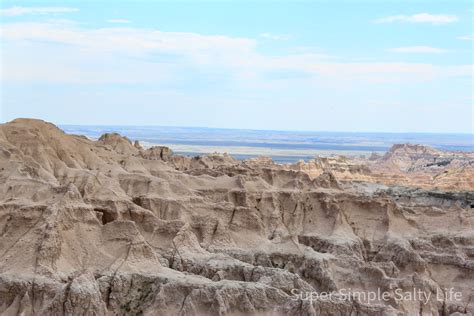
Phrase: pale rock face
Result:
[157,153]
[106,227]
[404,164]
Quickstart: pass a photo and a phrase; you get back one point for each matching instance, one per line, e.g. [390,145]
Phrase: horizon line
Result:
[266,130]
[246,129]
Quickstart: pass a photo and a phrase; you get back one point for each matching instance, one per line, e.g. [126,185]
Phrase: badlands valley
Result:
[107,227]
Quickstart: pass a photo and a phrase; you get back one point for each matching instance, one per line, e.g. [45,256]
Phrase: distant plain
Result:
[281,146]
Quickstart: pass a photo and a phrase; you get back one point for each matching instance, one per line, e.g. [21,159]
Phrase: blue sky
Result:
[393,66]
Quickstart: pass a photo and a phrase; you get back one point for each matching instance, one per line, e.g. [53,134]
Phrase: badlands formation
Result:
[107,227]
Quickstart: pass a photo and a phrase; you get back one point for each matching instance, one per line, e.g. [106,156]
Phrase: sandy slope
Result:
[105,227]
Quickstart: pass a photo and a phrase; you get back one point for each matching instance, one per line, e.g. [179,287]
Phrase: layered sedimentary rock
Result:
[404,164]
[106,227]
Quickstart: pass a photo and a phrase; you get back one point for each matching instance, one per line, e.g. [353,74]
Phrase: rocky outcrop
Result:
[106,227]
[157,153]
[404,164]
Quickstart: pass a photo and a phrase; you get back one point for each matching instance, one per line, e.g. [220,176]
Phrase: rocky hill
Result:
[108,228]
[404,164]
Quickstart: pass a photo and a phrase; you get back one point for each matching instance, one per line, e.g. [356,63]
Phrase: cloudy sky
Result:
[394,66]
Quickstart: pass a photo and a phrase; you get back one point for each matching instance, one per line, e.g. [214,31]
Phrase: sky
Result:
[361,66]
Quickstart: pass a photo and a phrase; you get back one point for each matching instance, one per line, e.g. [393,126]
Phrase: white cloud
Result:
[129,40]
[16,10]
[391,72]
[466,37]
[275,36]
[418,50]
[419,18]
[107,55]
[121,21]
